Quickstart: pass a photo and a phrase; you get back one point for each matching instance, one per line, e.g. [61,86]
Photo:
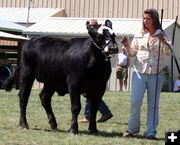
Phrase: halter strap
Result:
[107,57]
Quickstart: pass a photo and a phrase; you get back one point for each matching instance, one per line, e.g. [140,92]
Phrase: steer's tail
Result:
[9,82]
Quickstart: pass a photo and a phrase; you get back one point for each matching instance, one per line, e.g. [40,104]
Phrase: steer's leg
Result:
[27,79]
[95,96]
[94,108]
[45,97]
[75,106]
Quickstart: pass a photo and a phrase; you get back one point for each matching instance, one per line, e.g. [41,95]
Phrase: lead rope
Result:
[157,76]
[174,56]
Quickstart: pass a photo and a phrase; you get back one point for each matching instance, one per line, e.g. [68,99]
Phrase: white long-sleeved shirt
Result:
[146,54]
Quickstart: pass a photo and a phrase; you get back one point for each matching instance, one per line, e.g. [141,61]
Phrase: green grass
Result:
[110,133]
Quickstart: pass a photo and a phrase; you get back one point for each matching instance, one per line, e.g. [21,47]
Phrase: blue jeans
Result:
[140,84]
[103,108]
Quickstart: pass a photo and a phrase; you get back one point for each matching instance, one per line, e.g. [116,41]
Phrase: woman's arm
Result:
[131,49]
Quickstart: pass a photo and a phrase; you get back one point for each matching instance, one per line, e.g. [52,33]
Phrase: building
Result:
[107,9]
[13,21]
[75,27]
[27,17]
[102,8]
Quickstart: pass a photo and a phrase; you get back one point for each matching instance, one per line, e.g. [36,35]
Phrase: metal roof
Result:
[10,26]
[4,35]
[74,27]
[19,15]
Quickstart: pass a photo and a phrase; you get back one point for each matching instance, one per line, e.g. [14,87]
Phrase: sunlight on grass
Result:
[110,133]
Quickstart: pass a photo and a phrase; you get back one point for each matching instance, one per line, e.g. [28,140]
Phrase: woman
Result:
[145,47]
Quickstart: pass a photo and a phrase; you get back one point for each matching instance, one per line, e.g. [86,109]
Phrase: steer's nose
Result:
[113,48]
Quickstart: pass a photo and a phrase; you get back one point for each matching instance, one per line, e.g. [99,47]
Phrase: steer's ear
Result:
[108,23]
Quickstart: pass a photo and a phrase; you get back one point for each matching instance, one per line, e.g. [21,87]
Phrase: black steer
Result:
[77,66]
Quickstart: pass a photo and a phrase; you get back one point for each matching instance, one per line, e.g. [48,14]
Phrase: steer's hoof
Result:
[93,132]
[73,132]
[55,129]
[53,126]
[24,126]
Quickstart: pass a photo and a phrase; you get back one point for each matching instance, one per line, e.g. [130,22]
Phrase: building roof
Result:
[20,15]
[74,27]
[10,26]
[4,35]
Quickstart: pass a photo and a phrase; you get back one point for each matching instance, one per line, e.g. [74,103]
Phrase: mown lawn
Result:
[110,133]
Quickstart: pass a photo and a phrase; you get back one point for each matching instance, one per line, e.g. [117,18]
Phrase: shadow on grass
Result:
[46,130]
[138,136]
[82,132]
[119,123]
[100,133]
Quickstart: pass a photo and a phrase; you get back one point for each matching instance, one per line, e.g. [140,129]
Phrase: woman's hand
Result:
[161,37]
[160,34]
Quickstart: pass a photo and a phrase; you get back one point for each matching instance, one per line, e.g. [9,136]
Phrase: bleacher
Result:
[8,61]
[8,56]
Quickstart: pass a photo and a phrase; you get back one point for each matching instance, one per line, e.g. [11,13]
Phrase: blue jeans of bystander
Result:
[103,108]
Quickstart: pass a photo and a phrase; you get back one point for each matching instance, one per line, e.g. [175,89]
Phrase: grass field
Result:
[110,133]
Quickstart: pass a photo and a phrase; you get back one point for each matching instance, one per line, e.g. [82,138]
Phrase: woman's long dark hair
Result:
[155,16]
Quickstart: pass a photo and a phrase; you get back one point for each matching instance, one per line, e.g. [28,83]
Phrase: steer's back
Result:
[51,60]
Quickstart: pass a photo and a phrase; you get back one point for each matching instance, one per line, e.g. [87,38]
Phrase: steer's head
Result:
[103,38]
